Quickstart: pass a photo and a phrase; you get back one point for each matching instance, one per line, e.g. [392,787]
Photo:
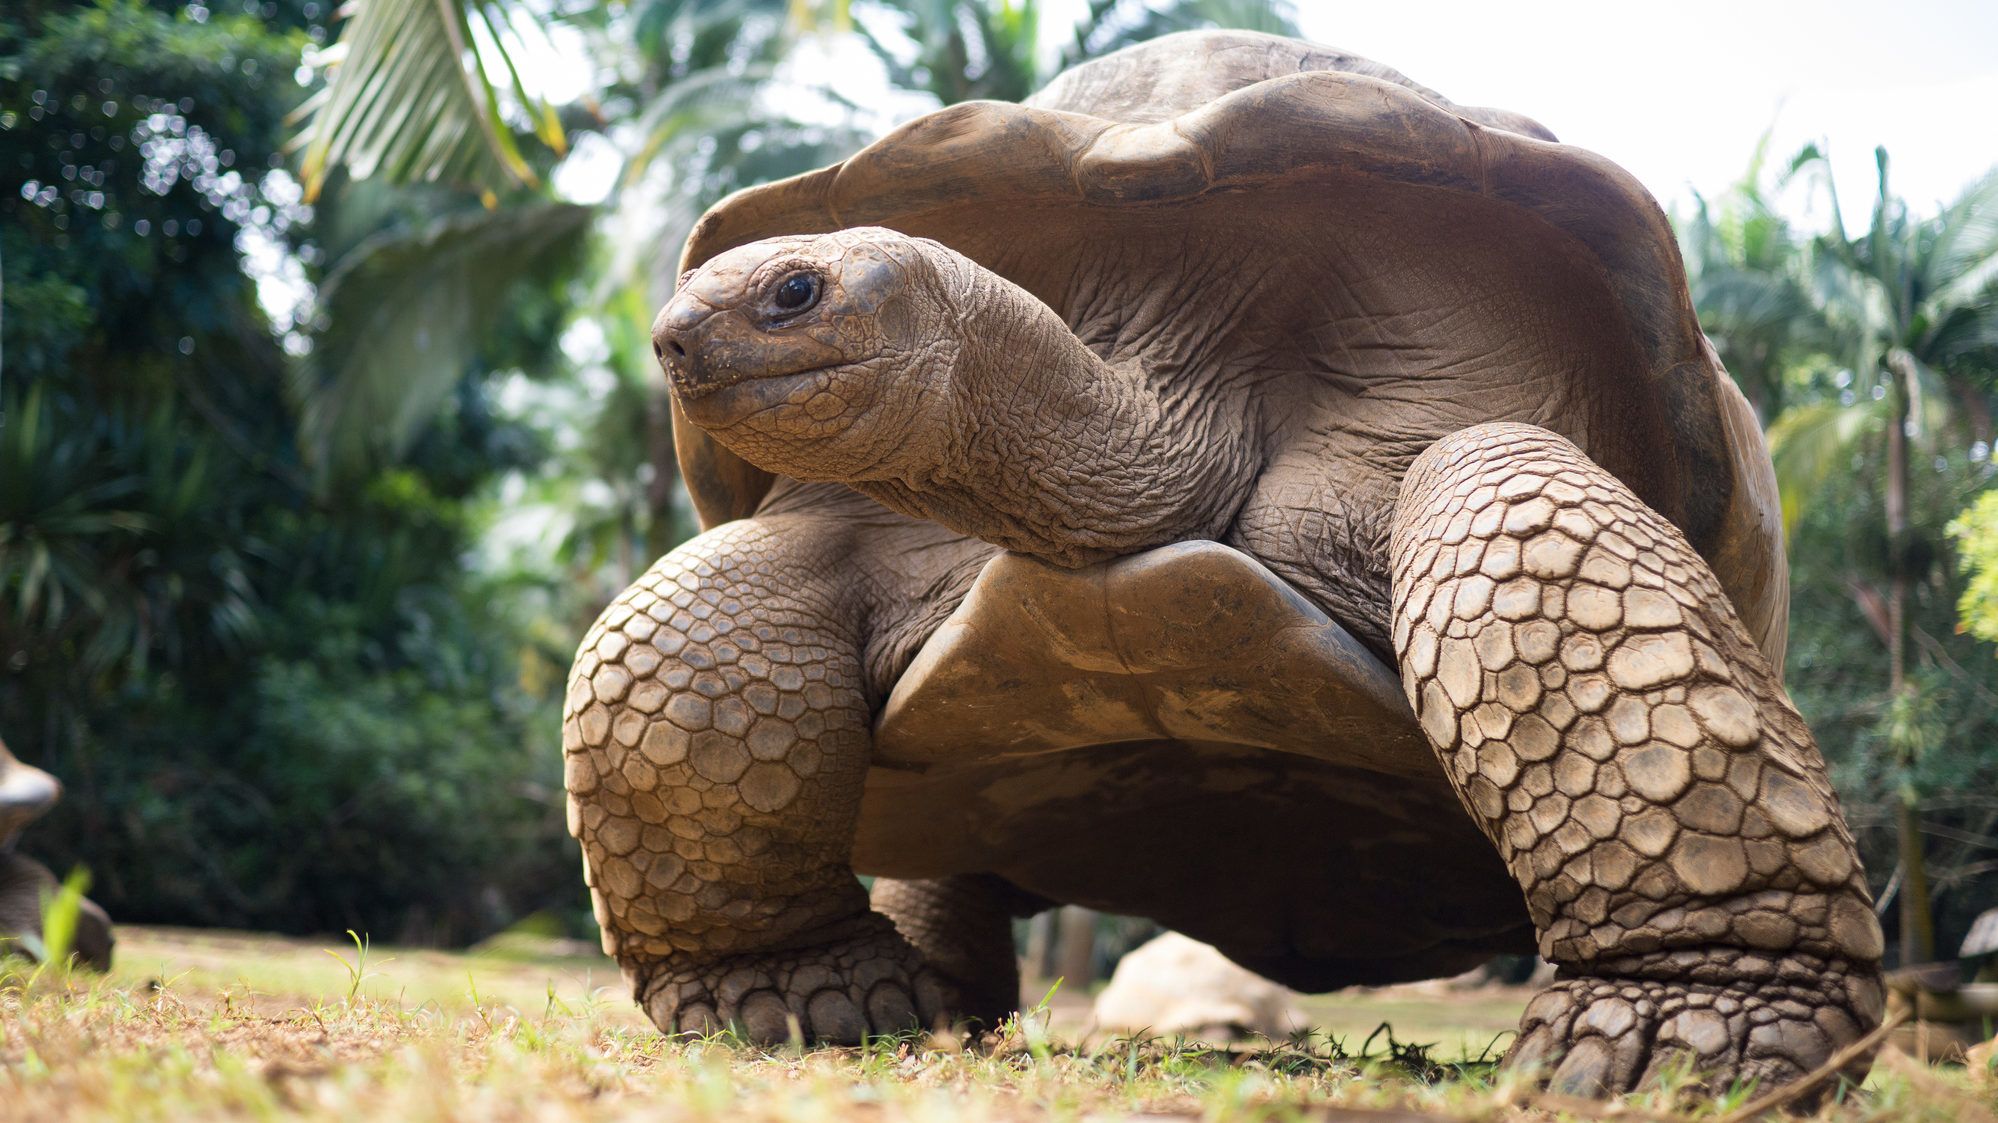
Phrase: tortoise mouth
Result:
[734,396]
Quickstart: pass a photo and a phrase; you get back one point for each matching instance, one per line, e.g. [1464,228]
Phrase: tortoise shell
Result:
[1118,162]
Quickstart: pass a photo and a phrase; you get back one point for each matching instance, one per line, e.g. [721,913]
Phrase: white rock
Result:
[1178,986]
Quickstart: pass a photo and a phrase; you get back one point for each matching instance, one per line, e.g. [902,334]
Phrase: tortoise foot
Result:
[868,982]
[962,927]
[1775,1022]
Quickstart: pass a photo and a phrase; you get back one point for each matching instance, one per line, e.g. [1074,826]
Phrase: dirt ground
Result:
[215,1025]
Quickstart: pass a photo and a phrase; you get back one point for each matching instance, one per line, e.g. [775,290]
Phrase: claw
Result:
[835,1018]
[890,1009]
[765,1019]
[838,993]
[1538,1049]
[1589,1070]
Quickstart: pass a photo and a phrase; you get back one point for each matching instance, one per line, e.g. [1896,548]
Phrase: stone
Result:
[1173,986]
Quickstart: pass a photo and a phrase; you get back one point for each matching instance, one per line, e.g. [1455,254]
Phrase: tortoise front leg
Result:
[1619,737]
[716,739]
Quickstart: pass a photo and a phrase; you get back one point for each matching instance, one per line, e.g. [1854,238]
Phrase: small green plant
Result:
[357,971]
[61,912]
[1033,1025]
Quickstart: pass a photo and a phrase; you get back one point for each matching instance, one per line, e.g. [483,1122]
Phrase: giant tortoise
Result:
[26,886]
[1236,487]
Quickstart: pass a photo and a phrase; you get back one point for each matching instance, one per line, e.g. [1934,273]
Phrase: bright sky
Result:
[1678,91]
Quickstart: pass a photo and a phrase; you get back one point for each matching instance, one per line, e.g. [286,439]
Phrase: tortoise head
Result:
[823,357]
[25,792]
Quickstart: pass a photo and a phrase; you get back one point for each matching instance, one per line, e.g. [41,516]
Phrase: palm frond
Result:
[409,99]
[406,312]
[1962,265]
[1811,442]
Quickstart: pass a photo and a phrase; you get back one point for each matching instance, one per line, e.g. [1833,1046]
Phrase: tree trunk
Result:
[1918,941]
[1040,955]
[1977,408]
[1077,957]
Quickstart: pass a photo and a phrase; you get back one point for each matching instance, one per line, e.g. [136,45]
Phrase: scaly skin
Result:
[716,736]
[963,928]
[1619,737]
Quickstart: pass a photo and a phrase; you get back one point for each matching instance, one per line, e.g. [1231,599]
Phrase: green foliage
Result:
[61,913]
[411,99]
[1975,532]
[1838,659]
[961,50]
[1742,259]
[405,312]
[1856,338]
[1935,740]
[273,704]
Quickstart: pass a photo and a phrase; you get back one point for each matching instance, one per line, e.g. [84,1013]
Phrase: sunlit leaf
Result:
[409,100]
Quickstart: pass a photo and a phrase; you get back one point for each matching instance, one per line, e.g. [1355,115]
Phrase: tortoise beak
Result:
[25,793]
[677,337]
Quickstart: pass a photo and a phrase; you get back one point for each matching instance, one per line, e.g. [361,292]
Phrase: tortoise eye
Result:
[796,293]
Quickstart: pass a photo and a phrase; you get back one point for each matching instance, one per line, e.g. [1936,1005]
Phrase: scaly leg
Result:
[963,927]
[1619,737]
[716,738]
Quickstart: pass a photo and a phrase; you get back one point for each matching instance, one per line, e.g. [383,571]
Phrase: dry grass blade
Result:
[1791,1093]
[1965,1107]
[1599,1109]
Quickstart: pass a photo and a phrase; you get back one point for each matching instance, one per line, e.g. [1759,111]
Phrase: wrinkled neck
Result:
[1057,453]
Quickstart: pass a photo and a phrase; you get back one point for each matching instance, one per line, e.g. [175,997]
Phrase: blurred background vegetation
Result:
[330,421]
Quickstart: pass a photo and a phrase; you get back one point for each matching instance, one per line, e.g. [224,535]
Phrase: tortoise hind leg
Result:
[1618,736]
[963,927]
[716,737]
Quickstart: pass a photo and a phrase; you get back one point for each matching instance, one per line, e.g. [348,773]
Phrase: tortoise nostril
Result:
[666,348]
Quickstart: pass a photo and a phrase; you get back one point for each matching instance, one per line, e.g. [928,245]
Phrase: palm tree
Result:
[1743,263]
[972,49]
[1911,307]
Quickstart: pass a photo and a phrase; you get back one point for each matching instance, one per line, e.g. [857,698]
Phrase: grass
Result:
[204,1025]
